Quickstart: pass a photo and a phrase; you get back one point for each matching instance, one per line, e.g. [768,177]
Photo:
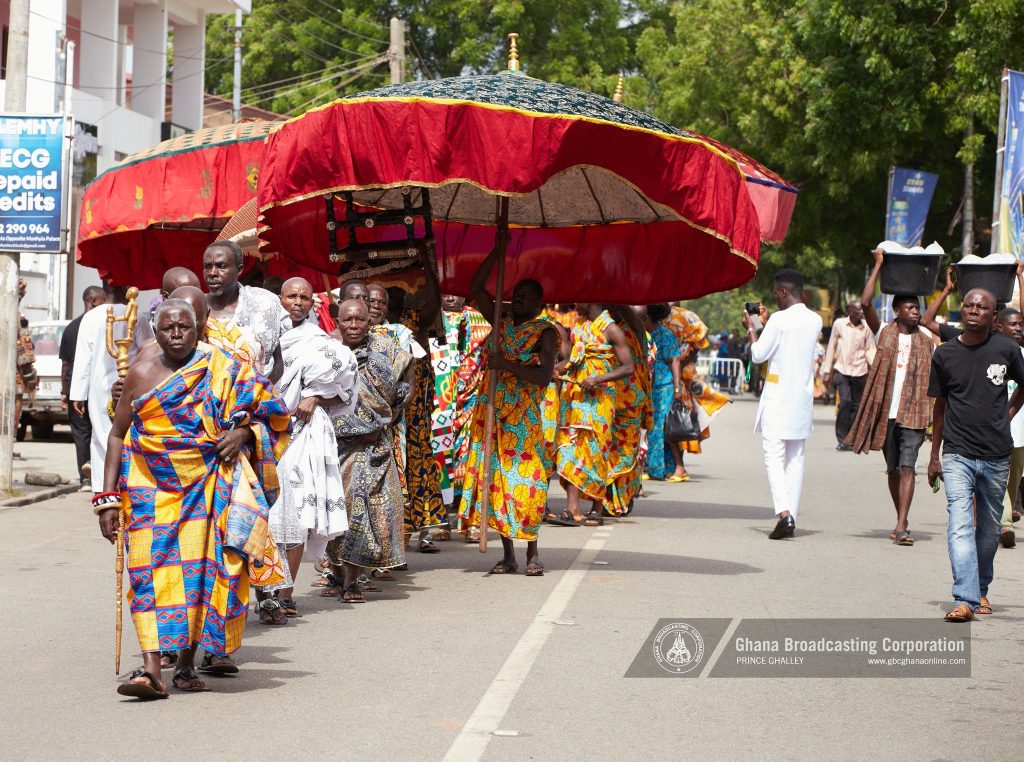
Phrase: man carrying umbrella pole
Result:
[524,423]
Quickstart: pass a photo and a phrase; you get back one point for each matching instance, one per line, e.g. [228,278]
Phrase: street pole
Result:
[236,88]
[396,51]
[14,102]
[997,196]
[967,246]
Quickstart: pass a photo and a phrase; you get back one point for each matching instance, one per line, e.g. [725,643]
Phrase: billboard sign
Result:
[33,178]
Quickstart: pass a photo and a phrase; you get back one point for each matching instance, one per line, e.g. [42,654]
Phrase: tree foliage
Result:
[829,93]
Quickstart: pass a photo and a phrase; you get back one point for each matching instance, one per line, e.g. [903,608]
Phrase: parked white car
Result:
[43,409]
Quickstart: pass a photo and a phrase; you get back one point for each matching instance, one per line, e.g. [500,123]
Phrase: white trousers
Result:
[784,462]
[101,426]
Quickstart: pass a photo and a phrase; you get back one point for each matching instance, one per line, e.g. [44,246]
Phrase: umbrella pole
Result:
[492,381]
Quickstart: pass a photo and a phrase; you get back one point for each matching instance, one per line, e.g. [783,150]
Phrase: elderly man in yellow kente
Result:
[634,414]
[600,359]
[204,432]
[524,423]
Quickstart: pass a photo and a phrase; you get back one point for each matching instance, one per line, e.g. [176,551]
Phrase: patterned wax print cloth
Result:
[701,397]
[634,411]
[424,506]
[473,334]
[311,503]
[444,361]
[525,420]
[193,521]
[584,443]
[688,329]
[366,452]
[660,463]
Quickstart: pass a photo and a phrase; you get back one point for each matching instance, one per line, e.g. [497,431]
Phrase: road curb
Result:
[38,497]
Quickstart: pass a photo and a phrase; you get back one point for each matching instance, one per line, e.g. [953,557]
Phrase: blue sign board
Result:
[910,196]
[1010,237]
[32,182]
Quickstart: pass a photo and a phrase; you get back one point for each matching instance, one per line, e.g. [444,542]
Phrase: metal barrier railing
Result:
[728,374]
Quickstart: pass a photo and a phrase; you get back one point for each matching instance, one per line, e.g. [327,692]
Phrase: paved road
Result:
[447,655]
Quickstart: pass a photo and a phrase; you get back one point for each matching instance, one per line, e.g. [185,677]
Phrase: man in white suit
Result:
[784,415]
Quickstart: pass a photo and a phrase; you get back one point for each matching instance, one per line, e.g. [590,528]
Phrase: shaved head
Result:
[297,299]
[197,299]
[291,282]
[177,277]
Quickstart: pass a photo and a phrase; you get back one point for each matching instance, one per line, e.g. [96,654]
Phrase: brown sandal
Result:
[352,594]
[960,613]
[984,609]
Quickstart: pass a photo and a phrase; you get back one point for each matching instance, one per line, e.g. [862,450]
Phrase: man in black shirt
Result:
[81,429]
[971,419]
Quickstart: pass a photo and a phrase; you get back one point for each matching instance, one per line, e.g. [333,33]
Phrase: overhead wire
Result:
[301,108]
[322,81]
[291,22]
[264,87]
[343,29]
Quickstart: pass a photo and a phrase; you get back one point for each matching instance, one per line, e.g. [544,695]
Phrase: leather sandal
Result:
[960,613]
[984,609]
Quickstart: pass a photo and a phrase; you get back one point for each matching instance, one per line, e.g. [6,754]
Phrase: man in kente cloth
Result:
[895,410]
[244,320]
[600,360]
[204,431]
[525,405]
[458,377]
[424,506]
[634,414]
[318,384]
[366,452]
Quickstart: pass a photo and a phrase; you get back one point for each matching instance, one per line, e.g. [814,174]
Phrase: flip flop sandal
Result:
[289,607]
[444,535]
[188,675]
[383,575]
[473,535]
[534,570]
[333,591]
[365,585]
[224,668]
[426,546]
[904,539]
[504,568]
[593,519]
[142,691]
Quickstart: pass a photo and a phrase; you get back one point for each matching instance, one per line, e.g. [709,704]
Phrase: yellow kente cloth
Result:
[634,411]
[524,434]
[194,521]
[583,446]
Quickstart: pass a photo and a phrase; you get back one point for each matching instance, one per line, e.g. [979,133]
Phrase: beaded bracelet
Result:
[103,496]
[105,502]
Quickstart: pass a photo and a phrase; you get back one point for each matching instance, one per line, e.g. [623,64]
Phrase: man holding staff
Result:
[190,424]
[525,406]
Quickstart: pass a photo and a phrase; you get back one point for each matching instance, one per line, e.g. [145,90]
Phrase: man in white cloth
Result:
[244,320]
[784,414]
[95,372]
[318,383]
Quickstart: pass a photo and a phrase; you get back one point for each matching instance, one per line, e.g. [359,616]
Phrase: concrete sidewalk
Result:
[56,456]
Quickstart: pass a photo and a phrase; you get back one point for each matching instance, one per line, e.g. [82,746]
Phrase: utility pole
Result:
[14,102]
[236,88]
[967,245]
[396,52]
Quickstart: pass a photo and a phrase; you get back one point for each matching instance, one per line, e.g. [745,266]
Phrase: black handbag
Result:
[681,424]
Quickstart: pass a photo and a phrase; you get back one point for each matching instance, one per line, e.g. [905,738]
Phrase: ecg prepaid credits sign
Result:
[32,179]
[804,648]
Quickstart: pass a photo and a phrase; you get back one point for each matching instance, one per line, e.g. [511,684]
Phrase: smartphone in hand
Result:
[754,310]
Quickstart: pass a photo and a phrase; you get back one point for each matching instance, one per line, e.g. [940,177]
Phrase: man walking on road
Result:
[784,414]
[895,411]
[1011,325]
[845,366]
[81,428]
[968,382]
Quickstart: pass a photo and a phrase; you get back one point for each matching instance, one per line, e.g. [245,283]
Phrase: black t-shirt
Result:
[972,378]
[948,332]
[68,341]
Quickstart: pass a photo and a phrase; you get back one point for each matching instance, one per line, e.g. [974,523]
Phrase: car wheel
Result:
[42,431]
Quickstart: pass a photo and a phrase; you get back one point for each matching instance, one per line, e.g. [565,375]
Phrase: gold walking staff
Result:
[118,349]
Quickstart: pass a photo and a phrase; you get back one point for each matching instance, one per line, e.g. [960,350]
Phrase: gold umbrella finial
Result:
[513,52]
[617,96]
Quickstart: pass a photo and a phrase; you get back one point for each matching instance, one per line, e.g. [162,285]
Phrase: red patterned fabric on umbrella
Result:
[161,207]
[606,203]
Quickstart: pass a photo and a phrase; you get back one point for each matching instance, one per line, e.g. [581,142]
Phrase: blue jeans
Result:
[972,548]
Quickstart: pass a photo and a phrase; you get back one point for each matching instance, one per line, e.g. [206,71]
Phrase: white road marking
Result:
[472,740]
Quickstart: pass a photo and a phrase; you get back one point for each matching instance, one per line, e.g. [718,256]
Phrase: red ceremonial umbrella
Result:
[162,207]
[606,203]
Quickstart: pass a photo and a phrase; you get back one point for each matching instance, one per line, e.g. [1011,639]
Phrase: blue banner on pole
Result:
[910,197]
[31,182]
[1011,201]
